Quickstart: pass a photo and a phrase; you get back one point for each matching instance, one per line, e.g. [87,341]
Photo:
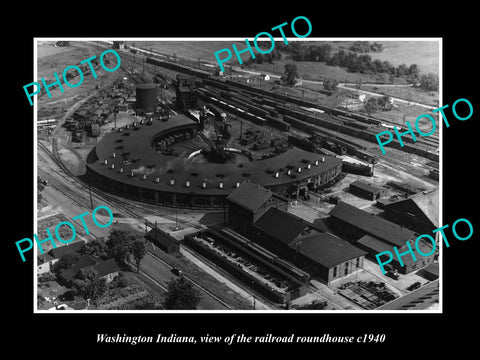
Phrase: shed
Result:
[367,190]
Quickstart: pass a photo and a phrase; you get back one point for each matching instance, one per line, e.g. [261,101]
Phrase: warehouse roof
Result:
[250,196]
[372,224]
[376,246]
[282,225]
[328,250]
[426,203]
[298,234]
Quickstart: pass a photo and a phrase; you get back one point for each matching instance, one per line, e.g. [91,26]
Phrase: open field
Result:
[406,92]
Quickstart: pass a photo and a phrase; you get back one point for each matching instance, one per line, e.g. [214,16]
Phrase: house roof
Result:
[365,186]
[44,258]
[250,196]
[73,247]
[328,250]
[84,261]
[372,224]
[104,268]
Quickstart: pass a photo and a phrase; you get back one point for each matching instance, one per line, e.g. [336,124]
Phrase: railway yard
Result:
[173,166]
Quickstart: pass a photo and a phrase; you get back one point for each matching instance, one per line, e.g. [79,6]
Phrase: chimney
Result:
[289,172]
[113,166]
[276,174]
[237,185]
[105,162]
[316,162]
[308,166]
[299,170]
[323,159]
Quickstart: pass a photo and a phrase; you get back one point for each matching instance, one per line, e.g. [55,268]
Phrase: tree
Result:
[181,295]
[414,71]
[119,244]
[429,82]
[331,85]
[95,247]
[138,252]
[93,287]
[291,73]
[66,261]
[371,106]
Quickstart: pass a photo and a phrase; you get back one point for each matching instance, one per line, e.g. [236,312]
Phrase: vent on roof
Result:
[323,159]
[308,166]
[289,172]
[120,170]
[131,173]
[204,185]
[299,170]
[114,155]
[144,177]
[187,184]
[157,179]
[316,162]
[112,166]
[220,185]
[172,182]
[105,162]
[276,174]
[237,185]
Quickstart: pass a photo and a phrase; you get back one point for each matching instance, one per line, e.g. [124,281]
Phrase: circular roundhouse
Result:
[125,162]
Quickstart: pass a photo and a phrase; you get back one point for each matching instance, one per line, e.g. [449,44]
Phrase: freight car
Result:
[358,169]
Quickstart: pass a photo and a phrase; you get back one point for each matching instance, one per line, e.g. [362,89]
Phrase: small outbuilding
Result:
[367,190]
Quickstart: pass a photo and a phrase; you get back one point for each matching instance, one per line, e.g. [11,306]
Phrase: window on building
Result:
[346,269]
[358,262]
[335,271]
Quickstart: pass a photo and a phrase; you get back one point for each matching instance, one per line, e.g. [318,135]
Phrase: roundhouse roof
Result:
[138,144]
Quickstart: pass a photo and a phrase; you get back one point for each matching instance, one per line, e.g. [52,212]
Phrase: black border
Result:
[431,332]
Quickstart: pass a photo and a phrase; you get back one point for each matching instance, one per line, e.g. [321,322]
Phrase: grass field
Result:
[423,53]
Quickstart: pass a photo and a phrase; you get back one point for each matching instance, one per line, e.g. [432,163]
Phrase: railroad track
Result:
[202,288]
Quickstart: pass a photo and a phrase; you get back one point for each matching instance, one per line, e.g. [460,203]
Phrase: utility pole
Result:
[91,200]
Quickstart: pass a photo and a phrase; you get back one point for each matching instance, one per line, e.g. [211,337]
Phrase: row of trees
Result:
[366,47]
[350,60]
